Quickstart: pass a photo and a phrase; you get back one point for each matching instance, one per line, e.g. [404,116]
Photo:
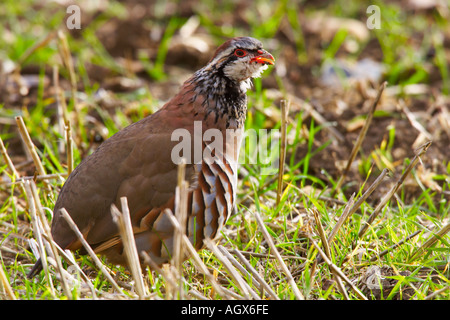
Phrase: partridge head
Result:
[140,163]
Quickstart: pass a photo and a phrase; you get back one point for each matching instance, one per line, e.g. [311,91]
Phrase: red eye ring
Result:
[240,53]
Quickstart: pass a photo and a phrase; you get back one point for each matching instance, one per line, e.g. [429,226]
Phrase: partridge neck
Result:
[221,95]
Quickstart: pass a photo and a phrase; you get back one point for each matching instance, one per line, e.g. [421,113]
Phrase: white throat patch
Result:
[242,71]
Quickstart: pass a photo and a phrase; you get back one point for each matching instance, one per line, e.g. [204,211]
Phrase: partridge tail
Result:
[37,268]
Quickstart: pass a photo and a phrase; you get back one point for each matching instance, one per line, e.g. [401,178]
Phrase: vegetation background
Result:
[375,202]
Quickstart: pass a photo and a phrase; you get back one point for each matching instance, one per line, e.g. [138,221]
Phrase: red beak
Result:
[264,58]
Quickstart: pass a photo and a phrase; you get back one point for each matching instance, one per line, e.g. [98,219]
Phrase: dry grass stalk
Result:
[238,280]
[181,202]
[30,145]
[243,271]
[435,236]
[34,178]
[5,284]
[64,125]
[197,295]
[41,229]
[264,285]
[169,274]
[326,247]
[283,143]
[12,169]
[31,148]
[195,257]
[316,215]
[413,120]
[173,281]
[123,221]
[232,294]
[335,269]
[436,293]
[351,206]
[393,190]
[68,61]
[15,175]
[273,248]
[48,233]
[62,113]
[268,256]
[384,252]
[69,147]
[344,216]
[361,137]
[71,261]
[38,233]
[59,109]
[88,248]
[239,266]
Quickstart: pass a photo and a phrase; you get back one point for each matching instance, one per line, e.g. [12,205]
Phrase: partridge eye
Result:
[240,53]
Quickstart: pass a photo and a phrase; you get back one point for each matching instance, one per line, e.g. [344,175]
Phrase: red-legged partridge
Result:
[140,163]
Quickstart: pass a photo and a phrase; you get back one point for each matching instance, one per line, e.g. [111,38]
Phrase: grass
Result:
[314,237]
